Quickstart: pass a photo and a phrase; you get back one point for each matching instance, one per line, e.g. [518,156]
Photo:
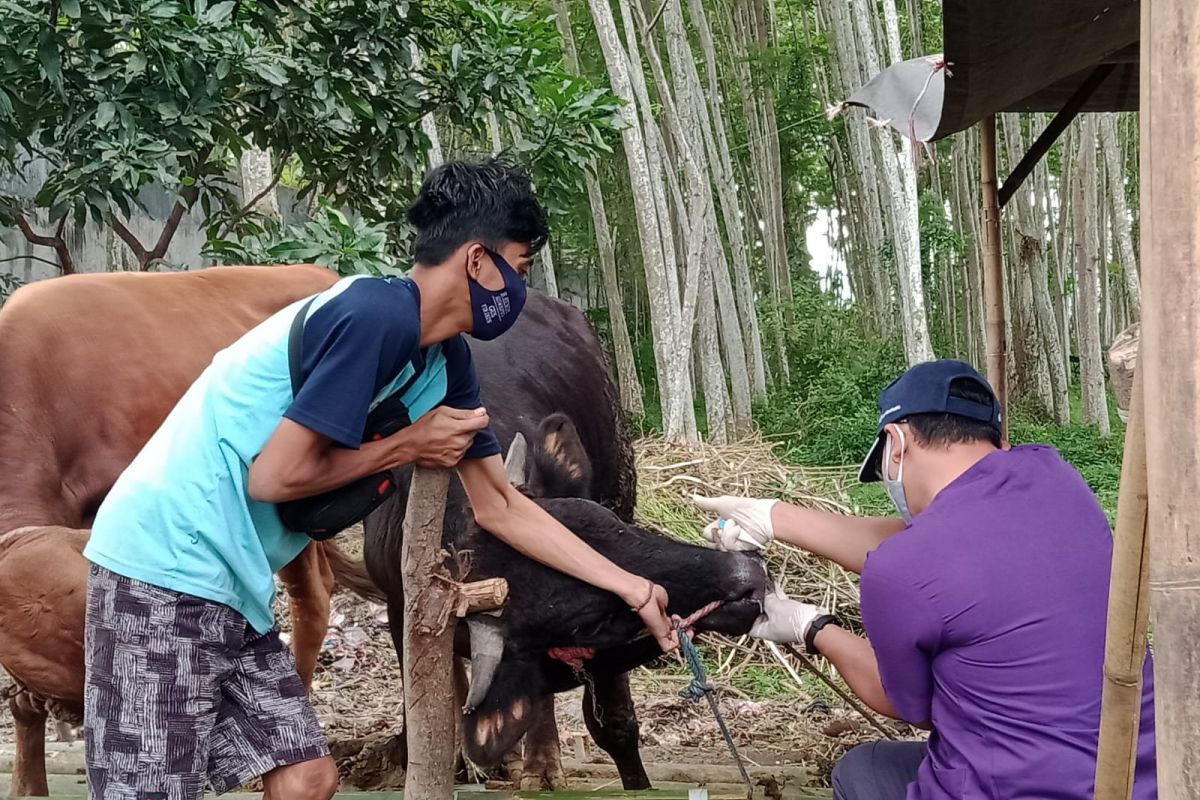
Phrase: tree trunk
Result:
[1066,252]
[258,181]
[740,24]
[428,122]
[952,304]
[545,259]
[993,269]
[549,277]
[1054,231]
[494,122]
[429,696]
[901,187]
[716,398]
[1048,323]
[967,214]
[908,174]
[1091,359]
[695,127]
[867,288]
[772,186]
[674,380]
[678,218]
[627,378]
[914,27]
[1119,210]
[1099,215]
[1039,333]
[731,211]
[864,162]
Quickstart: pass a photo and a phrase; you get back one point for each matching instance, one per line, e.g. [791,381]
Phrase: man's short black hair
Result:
[490,201]
[943,430]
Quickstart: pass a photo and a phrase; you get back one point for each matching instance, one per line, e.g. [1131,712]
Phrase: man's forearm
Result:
[841,539]
[854,660]
[329,467]
[524,526]
[339,466]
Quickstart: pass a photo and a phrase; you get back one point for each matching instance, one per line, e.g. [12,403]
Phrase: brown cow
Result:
[81,391]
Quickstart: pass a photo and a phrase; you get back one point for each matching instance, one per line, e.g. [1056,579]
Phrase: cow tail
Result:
[351,574]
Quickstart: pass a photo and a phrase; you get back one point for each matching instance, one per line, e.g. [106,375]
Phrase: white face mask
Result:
[895,487]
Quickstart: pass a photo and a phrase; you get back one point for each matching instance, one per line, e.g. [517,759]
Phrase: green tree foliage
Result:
[330,238]
[115,95]
[8,285]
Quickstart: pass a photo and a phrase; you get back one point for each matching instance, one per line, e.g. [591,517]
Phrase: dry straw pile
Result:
[668,476]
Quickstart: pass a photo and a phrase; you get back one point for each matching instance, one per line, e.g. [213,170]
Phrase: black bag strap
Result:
[296,354]
[296,347]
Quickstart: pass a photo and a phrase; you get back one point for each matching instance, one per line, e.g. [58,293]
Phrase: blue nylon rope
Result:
[700,688]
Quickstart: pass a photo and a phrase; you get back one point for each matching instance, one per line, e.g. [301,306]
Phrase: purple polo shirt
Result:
[987,617]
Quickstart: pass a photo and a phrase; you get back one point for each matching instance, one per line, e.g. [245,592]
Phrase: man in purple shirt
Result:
[984,605]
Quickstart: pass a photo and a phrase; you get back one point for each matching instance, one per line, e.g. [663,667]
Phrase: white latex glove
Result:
[750,517]
[784,620]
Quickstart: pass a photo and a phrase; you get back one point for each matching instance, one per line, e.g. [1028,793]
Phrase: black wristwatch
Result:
[810,638]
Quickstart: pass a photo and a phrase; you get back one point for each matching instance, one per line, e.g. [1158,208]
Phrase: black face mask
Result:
[494,312]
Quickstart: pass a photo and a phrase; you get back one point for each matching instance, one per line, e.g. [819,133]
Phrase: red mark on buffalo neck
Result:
[573,657]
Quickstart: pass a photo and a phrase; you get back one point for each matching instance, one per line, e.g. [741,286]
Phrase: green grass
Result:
[836,432]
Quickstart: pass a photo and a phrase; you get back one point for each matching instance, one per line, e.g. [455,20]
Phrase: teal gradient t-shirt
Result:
[180,516]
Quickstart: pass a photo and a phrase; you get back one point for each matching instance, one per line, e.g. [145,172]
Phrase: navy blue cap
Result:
[925,389]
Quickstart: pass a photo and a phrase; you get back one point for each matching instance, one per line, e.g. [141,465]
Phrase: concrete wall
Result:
[97,249]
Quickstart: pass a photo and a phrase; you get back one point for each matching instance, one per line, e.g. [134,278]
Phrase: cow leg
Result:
[612,720]
[395,608]
[29,766]
[462,684]
[65,731]
[513,766]
[543,759]
[308,580]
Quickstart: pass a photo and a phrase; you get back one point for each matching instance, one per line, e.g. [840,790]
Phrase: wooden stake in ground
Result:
[1170,108]
[1128,613]
[428,649]
[993,270]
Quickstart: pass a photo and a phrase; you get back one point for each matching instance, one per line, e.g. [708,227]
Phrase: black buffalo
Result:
[547,382]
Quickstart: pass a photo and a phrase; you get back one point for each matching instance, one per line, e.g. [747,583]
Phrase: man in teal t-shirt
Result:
[188,682]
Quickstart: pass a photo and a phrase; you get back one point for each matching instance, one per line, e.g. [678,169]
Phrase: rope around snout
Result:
[701,688]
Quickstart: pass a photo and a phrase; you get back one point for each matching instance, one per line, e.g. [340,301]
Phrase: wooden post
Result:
[1170,363]
[1128,614]
[428,647]
[993,270]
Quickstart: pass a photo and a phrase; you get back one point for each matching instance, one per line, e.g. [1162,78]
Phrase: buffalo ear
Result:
[496,727]
[561,464]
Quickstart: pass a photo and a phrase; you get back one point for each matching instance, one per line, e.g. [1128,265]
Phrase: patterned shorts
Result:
[181,692]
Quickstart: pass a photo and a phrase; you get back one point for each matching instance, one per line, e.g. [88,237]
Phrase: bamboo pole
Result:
[1170,141]
[1128,615]
[429,693]
[993,269]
